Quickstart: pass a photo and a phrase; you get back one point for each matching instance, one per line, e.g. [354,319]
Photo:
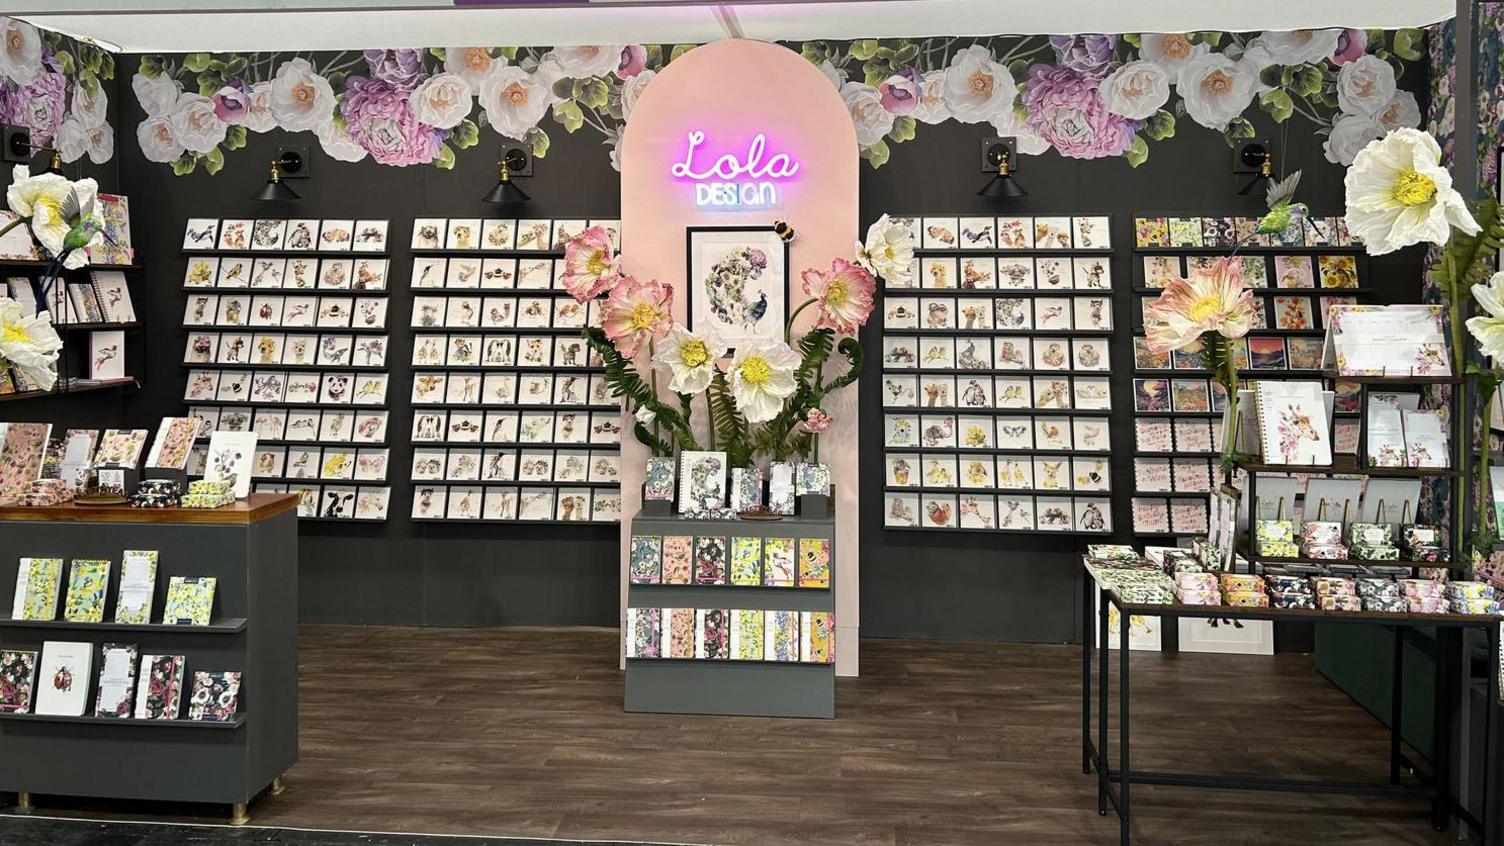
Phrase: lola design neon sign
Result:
[731,182]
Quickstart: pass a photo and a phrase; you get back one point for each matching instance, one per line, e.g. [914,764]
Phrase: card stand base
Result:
[127,477]
[816,506]
[179,476]
[656,507]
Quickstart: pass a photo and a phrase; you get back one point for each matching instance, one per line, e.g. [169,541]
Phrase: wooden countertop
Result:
[252,509]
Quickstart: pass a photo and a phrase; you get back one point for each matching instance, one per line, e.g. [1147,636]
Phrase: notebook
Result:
[1292,420]
[18,673]
[38,582]
[160,692]
[1425,439]
[190,599]
[117,680]
[138,584]
[215,696]
[88,582]
[64,675]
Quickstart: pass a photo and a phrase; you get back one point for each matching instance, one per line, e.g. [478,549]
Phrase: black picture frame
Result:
[692,282]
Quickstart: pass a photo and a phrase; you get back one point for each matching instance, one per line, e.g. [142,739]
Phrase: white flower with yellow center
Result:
[1398,194]
[41,199]
[1488,329]
[690,358]
[29,344]
[762,377]
[889,252]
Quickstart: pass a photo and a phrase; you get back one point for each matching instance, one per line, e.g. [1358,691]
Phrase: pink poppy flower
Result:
[900,94]
[636,312]
[843,294]
[1215,300]
[1351,45]
[634,58]
[591,267]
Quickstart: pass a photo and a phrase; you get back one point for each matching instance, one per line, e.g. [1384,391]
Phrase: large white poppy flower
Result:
[29,344]
[1215,90]
[300,98]
[1398,194]
[888,252]
[514,101]
[20,50]
[690,358]
[472,64]
[1170,51]
[158,95]
[977,88]
[762,377]
[1488,328]
[1365,86]
[40,199]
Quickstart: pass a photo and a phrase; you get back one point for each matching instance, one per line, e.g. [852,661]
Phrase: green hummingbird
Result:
[1282,212]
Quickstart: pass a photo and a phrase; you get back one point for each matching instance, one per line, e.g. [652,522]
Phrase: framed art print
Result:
[738,282]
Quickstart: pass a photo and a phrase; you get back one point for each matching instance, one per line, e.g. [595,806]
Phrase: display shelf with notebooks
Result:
[722,620]
[250,550]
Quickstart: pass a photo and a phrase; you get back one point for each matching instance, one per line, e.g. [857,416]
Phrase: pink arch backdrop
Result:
[732,91]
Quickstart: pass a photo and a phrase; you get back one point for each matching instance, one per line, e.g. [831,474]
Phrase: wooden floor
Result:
[520,732]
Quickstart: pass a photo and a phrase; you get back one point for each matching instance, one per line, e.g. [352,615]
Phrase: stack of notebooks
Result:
[1401,435]
[737,634]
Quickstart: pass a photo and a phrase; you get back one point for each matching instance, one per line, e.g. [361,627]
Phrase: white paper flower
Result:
[865,104]
[761,376]
[157,142]
[300,98]
[1010,124]
[1349,135]
[258,109]
[442,100]
[585,60]
[1365,86]
[29,344]
[157,95]
[690,358]
[514,101]
[1398,194]
[632,88]
[72,140]
[1170,51]
[645,415]
[1401,112]
[337,143]
[472,64]
[195,124]
[1215,90]
[1136,90]
[91,109]
[20,50]
[836,76]
[888,252]
[931,108]
[1488,328]
[101,143]
[1298,46]
[41,198]
[976,88]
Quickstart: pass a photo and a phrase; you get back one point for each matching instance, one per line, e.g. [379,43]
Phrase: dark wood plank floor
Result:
[520,732]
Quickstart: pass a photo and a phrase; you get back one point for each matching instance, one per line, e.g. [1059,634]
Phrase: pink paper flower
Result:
[1215,300]
[634,58]
[900,94]
[843,294]
[591,267]
[637,312]
[816,421]
[231,105]
[1351,45]
[380,119]
[1066,109]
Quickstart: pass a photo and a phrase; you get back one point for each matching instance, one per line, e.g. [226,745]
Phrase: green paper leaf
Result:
[1239,128]
[569,115]
[65,61]
[235,66]
[150,66]
[1278,104]
[903,129]
[445,158]
[906,54]
[1408,44]
[1138,152]
[1212,38]
[537,139]
[208,84]
[1134,39]
[437,53]
[465,135]
[235,137]
[679,50]
[107,66]
[595,93]
[1272,76]
[1161,125]
[873,75]
[877,154]
[214,161]
[1308,80]
[197,62]
[863,49]
[563,88]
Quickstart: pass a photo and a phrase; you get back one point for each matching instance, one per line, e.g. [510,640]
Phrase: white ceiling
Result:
[228,25]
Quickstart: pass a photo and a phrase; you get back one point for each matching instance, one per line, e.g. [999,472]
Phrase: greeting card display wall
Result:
[1296,277]
[512,418]
[251,550]
[286,325]
[731,617]
[995,377]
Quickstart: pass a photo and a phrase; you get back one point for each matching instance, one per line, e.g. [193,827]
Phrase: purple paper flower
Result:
[1065,109]
[900,94]
[231,104]
[38,106]
[1089,55]
[398,68]
[380,119]
[1351,44]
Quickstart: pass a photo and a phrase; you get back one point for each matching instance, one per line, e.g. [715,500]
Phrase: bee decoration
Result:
[785,231]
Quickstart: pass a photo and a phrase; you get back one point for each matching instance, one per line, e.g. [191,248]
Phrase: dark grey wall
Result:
[960,586]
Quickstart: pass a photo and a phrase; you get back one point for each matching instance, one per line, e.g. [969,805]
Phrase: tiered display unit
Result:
[73,359]
[1177,408]
[286,325]
[995,368]
[733,686]
[251,549]
[513,421]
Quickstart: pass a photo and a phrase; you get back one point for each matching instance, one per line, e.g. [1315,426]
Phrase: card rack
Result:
[995,368]
[512,418]
[1296,275]
[286,324]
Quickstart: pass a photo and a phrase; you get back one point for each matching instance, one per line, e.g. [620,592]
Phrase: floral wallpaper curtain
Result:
[58,89]
[1084,96]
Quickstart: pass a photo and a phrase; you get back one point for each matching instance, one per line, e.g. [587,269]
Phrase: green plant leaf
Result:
[1161,125]
[197,62]
[731,431]
[1138,151]
[107,66]
[465,135]
[208,84]
[1237,129]
[444,160]
[1408,44]
[235,136]
[863,49]
[65,61]
[1471,255]
[625,382]
[567,112]
[1278,104]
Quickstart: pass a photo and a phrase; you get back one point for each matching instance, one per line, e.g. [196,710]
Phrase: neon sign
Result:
[731,182]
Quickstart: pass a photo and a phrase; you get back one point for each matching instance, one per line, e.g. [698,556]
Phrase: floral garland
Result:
[50,84]
[1085,96]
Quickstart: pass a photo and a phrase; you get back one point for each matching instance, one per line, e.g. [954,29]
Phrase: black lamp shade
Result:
[276,189]
[506,193]
[1001,187]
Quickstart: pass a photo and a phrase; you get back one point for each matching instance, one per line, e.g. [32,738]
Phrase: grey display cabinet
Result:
[732,687]
[251,548]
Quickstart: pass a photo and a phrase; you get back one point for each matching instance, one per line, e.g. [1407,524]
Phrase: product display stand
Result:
[251,549]
[1114,785]
[732,687]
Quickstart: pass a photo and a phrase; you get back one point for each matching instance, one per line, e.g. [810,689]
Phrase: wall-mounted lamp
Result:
[1000,158]
[19,149]
[1255,158]
[275,189]
[512,162]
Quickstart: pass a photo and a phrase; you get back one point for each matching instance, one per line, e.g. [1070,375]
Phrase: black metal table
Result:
[1114,785]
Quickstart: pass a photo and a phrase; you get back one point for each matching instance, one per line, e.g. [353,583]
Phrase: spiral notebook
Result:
[1293,422]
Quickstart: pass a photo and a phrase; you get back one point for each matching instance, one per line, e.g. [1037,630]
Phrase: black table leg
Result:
[1102,758]
[1125,622]
[1493,803]
[1396,703]
[1087,584]
[1448,651]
